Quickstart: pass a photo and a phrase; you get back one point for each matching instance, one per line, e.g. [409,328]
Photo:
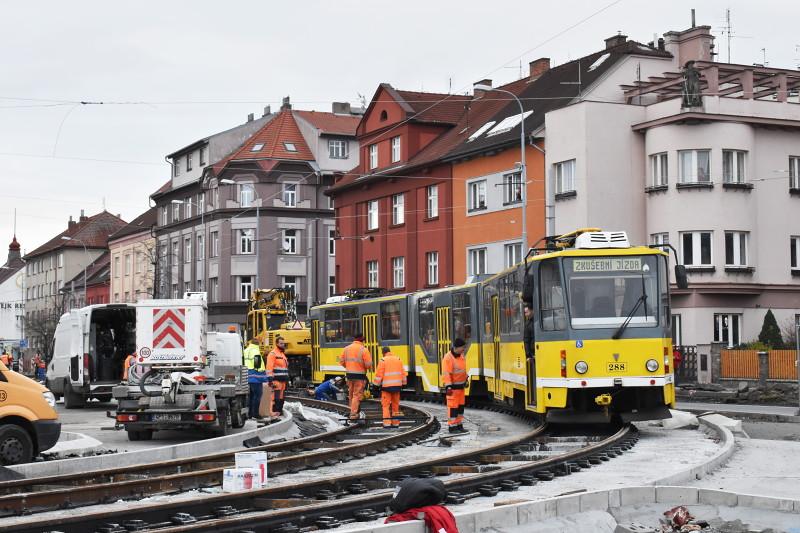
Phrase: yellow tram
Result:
[603,346]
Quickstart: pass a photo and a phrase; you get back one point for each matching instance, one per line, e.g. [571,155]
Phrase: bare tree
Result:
[789,332]
[40,325]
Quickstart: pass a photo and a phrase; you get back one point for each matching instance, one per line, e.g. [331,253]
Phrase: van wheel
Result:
[72,399]
[237,418]
[16,446]
[224,422]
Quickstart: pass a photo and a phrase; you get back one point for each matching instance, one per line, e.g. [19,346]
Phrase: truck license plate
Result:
[166,417]
[617,367]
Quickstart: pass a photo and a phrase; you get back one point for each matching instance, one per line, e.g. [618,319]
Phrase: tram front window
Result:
[603,291]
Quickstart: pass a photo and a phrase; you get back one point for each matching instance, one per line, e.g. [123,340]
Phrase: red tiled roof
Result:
[94,272]
[435,107]
[330,123]
[139,224]
[273,136]
[93,232]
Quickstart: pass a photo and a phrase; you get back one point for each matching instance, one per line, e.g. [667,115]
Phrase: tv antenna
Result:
[727,31]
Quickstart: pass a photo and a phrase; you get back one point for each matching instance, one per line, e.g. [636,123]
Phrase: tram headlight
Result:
[581,367]
[651,365]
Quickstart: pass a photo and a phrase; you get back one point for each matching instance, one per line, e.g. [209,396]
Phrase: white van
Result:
[89,349]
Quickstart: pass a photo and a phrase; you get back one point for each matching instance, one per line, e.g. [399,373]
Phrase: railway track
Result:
[537,455]
[28,496]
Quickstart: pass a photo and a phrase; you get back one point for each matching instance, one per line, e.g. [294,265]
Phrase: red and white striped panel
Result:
[169,328]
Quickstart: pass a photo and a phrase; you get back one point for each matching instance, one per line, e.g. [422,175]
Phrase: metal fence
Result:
[686,371]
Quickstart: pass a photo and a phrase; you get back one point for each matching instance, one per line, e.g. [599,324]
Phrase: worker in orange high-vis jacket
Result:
[391,378]
[278,375]
[454,377]
[126,366]
[356,360]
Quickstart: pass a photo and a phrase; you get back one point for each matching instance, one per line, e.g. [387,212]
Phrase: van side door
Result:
[76,343]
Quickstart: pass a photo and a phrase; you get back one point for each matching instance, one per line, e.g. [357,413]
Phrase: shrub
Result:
[770,332]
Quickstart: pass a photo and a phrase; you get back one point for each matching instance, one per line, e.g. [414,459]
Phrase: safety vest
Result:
[250,354]
[126,366]
[390,375]
[277,365]
[454,371]
[356,360]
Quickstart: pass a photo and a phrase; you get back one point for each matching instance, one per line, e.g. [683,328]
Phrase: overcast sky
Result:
[195,68]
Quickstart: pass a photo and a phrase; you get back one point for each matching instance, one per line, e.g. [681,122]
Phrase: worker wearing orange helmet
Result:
[454,377]
[391,378]
[356,360]
[278,374]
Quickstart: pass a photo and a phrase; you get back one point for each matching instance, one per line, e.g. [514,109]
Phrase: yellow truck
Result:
[28,419]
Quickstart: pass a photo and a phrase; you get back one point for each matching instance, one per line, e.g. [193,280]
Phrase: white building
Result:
[12,303]
[718,178]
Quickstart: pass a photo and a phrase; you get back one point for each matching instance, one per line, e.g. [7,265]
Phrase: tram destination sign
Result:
[606,264]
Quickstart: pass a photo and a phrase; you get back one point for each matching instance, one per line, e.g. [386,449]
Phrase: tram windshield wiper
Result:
[641,300]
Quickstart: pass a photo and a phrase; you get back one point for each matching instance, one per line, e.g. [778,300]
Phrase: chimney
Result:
[71,223]
[250,117]
[616,40]
[286,106]
[480,92]
[83,217]
[539,67]
[267,111]
[341,108]
[694,44]
[661,44]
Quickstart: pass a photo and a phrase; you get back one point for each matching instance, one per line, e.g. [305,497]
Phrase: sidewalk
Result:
[775,413]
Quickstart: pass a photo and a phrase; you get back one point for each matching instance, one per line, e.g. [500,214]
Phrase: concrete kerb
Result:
[150,455]
[534,512]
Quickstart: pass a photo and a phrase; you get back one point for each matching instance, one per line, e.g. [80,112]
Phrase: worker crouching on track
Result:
[328,390]
[356,360]
[278,374]
[454,377]
[255,376]
[391,378]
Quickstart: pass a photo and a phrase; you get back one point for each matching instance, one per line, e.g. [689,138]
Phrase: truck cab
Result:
[89,349]
[28,419]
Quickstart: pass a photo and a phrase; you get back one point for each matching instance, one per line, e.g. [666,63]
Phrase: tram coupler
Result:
[604,401]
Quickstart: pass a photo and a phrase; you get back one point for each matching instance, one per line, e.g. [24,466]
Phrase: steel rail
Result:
[209,474]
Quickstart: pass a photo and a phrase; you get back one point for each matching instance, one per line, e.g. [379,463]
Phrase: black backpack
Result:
[417,492]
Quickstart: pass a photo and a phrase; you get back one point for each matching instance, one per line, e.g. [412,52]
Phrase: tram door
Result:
[315,351]
[369,325]
[443,341]
[498,381]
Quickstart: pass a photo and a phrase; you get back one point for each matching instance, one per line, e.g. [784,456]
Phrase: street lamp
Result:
[523,172]
[85,263]
[226,181]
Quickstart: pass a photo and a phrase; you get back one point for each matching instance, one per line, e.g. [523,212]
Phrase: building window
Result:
[728,329]
[247,194]
[214,244]
[373,156]
[290,241]
[736,248]
[677,334]
[116,267]
[201,203]
[290,194]
[176,212]
[187,208]
[794,252]
[659,170]
[202,156]
[372,273]
[398,209]
[139,262]
[244,287]
[199,285]
[331,242]
[201,248]
[175,252]
[398,272]
[128,264]
[188,161]
[213,289]
[187,286]
[476,191]
[372,214]
[733,166]
[395,149]
[175,293]
[187,250]
[512,254]
[696,248]
[215,198]
[164,216]
[245,240]
[176,167]
[290,282]
[432,259]
[794,172]
[512,188]
[659,238]
[290,147]
[61,260]
[476,262]
[257,147]
[331,285]
[330,202]
[694,166]
[433,201]
[337,149]
[565,176]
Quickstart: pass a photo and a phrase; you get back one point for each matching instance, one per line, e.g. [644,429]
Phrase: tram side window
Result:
[350,323]
[333,325]
[510,305]
[487,313]
[427,324]
[551,297]
[462,316]
[390,321]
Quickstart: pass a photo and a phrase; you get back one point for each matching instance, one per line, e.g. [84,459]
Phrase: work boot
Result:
[452,429]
